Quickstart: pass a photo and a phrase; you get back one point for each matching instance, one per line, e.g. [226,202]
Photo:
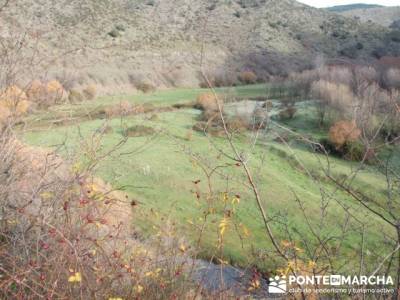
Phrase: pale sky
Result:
[326,3]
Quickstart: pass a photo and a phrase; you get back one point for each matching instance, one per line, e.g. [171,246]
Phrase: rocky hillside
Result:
[385,16]
[116,44]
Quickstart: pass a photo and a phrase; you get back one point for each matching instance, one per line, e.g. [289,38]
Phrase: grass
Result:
[158,170]
[159,98]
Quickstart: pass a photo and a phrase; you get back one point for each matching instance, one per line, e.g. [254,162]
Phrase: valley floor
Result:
[164,173]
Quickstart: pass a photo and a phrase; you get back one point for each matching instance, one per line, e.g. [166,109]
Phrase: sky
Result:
[326,3]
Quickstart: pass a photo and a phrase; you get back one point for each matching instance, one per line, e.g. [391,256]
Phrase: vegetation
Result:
[284,163]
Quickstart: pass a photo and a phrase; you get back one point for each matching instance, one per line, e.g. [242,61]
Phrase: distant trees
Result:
[13,103]
[335,96]
[46,94]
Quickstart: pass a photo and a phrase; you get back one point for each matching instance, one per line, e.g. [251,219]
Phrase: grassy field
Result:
[158,171]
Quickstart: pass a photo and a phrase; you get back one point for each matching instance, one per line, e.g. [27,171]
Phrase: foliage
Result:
[124,108]
[394,35]
[287,113]
[72,238]
[55,92]
[89,92]
[343,132]
[36,92]
[393,78]
[75,96]
[248,77]
[209,102]
[13,103]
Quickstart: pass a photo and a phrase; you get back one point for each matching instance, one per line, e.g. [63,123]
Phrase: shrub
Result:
[55,92]
[365,74]
[5,114]
[350,51]
[145,87]
[114,33]
[209,102]
[13,102]
[36,93]
[268,105]
[395,36]
[393,78]
[214,125]
[208,127]
[219,78]
[75,96]
[248,77]
[237,125]
[356,151]
[395,25]
[124,108]
[90,92]
[120,27]
[343,132]
[287,113]
[350,150]
[72,238]
[45,95]
[139,130]
[154,117]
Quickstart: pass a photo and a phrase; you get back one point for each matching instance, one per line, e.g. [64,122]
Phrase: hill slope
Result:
[116,43]
[384,16]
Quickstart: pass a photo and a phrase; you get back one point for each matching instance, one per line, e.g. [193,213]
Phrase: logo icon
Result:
[277,285]
[335,280]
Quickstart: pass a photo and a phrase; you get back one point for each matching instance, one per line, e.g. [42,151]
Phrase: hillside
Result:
[349,7]
[384,16]
[116,44]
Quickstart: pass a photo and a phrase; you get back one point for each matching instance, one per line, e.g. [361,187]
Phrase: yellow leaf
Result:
[298,249]
[76,168]
[115,298]
[182,248]
[312,264]
[223,225]
[139,289]
[245,230]
[75,278]
[254,285]
[225,197]
[46,195]
[235,200]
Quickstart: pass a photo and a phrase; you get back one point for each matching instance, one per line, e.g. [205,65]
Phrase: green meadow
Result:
[161,172]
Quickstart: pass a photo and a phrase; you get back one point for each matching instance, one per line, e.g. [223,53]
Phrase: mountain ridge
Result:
[169,44]
[349,7]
